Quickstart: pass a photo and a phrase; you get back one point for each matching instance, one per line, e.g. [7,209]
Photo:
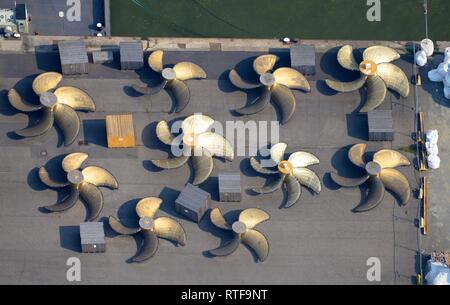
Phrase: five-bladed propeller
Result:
[58,105]
[291,172]
[380,173]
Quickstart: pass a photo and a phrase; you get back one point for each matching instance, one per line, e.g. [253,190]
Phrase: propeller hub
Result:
[239,227]
[267,79]
[75,177]
[285,167]
[147,223]
[168,74]
[48,99]
[368,67]
[190,139]
[373,168]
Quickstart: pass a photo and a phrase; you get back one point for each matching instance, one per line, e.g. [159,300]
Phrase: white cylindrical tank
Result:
[427,45]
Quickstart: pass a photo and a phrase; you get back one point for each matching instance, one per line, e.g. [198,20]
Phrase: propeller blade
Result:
[188,70]
[394,77]
[44,124]
[227,249]
[285,100]
[75,98]
[218,220]
[257,105]
[256,165]
[18,103]
[73,161]
[203,166]
[308,178]
[375,196]
[148,207]
[45,178]
[292,79]
[239,82]
[348,182]
[163,133]
[216,145]
[376,93]
[46,81]
[168,228]
[293,189]
[380,54]
[252,217]
[264,63]
[196,124]
[257,242]
[181,93]
[346,58]
[155,61]
[388,158]
[171,163]
[148,248]
[271,187]
[277,152]
[119,228]
[67,119]
[303,159]
[396,182]
[147,90]
[99,177]
[93,198]
[347,86]
[67,203]
[356,154]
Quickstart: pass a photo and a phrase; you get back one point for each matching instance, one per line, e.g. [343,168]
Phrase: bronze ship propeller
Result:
[243,232]
[291,172]
[58,105]
[82,182]
[199,144]
[376,72]
[173,79]
[380,173]
[274,86]
[150,228]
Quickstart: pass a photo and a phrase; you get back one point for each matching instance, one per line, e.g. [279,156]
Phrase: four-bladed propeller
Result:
[292,172]
[57,106]
[82,182]
[274,86]
[380,173]
[199,144]
[243,232]
[376,72]
[173,79]
[150,228]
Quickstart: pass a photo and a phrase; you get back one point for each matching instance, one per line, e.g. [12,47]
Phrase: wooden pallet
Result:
[120,131]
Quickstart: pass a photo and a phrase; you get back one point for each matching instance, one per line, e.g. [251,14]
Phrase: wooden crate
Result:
[120,131]
[381,125]
[92,237]
[192,202]
[230,187]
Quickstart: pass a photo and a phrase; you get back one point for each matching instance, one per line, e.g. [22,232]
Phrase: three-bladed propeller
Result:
[199,144]
[379,174]
[57,106]
[150,228]
[173,79]
[291,172]
[243,232]
[376,72]
[82,182]
[274,86]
